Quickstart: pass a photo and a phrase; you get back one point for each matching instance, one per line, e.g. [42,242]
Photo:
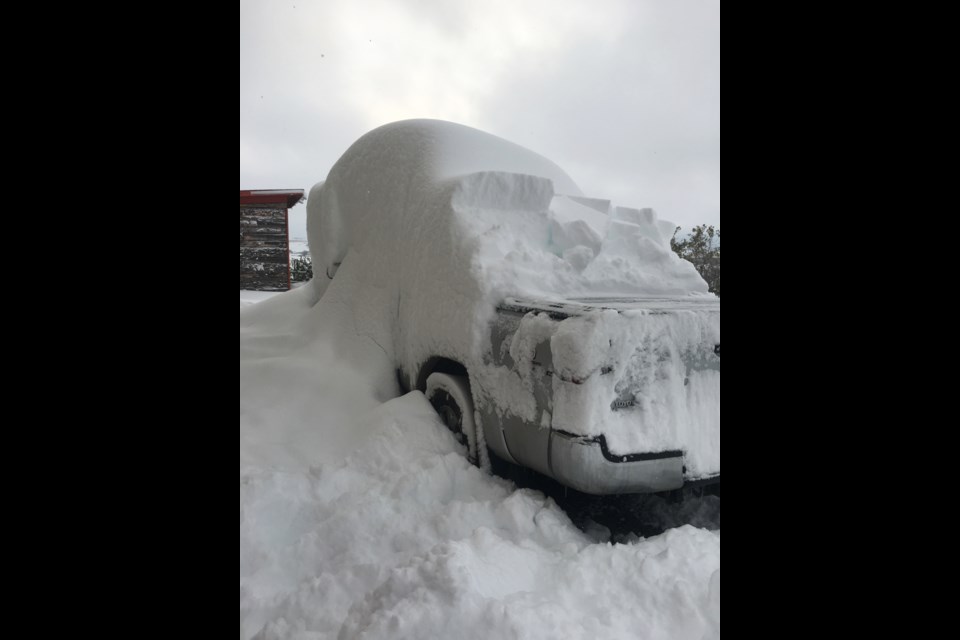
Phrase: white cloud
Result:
[624,94]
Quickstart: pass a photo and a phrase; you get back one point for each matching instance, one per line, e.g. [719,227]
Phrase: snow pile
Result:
[495,203]
[285,344]
[361,518]
[248,298]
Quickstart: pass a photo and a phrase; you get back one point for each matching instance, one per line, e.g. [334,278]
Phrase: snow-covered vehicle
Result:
[557,331]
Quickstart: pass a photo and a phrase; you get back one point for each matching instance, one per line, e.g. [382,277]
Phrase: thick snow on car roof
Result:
[434,150]
[512,216]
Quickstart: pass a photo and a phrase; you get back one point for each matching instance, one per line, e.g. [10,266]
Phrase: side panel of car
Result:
[510,436]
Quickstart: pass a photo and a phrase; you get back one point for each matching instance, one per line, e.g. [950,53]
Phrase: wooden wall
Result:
[264,252]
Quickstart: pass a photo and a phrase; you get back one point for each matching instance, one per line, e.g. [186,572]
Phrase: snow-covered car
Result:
[557,331]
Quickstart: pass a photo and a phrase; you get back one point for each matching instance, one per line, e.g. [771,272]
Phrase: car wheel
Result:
[451,399]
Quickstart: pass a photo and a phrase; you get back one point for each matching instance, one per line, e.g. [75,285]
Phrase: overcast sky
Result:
[623,94]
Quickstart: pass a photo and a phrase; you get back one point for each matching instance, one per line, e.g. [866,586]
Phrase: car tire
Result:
[451,399]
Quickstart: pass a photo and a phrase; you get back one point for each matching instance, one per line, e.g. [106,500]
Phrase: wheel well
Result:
[439,365]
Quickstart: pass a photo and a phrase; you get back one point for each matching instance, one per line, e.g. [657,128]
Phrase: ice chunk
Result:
[502,191]
[645,219]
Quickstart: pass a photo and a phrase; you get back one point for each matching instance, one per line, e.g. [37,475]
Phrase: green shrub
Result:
[301,269]
[702,248]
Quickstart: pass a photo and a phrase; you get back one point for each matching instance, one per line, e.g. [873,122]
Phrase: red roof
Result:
[289,197]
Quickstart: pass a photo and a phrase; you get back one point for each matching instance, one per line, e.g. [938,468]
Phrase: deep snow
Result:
[481,203]
[361,518]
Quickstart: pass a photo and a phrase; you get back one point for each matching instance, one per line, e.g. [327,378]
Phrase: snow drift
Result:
[361,518]
[359,515]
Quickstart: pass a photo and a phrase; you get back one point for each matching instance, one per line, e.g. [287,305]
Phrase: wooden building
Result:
[265,238]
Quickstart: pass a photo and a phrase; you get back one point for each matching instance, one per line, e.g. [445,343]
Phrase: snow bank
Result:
[291,353]
[360,516]
[363,519]
[248,298]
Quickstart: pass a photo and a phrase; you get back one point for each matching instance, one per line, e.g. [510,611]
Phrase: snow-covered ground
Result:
[361,518]
[250,297]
